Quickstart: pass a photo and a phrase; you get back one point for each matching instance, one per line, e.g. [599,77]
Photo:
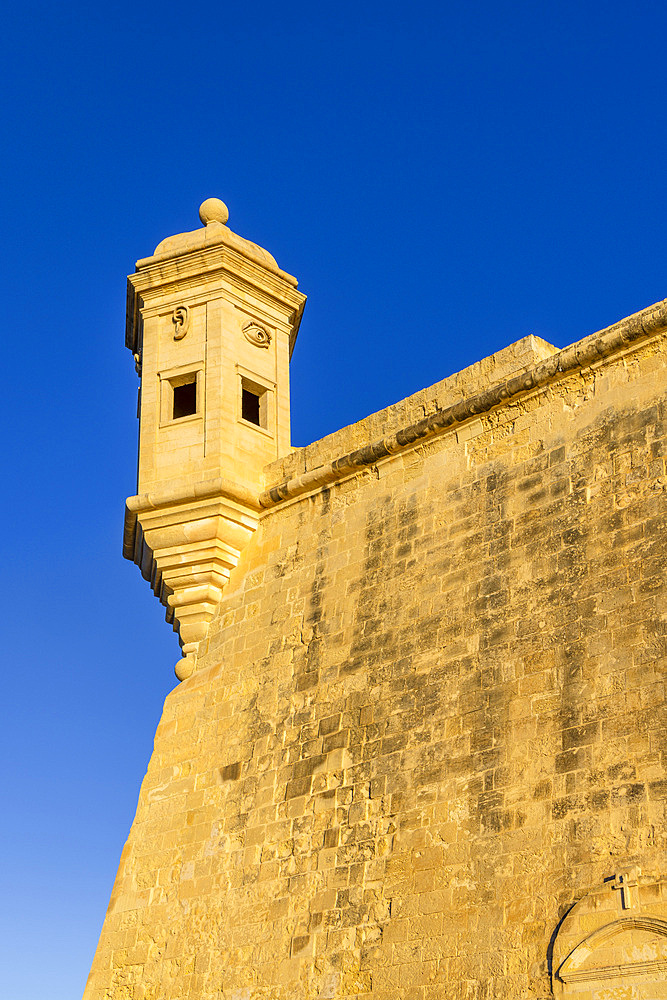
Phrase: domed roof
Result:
[214,215]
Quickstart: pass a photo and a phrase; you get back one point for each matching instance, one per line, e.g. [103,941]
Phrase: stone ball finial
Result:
[213,210]
[185,668]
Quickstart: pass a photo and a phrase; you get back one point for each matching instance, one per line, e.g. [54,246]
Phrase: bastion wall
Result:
[429,717]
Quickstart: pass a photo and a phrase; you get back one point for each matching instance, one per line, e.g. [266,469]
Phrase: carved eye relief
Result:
[257,335]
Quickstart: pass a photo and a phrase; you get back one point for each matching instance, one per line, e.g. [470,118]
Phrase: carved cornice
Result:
[615,971]
[186,492]
[209,263]
[584,353]
[191,270]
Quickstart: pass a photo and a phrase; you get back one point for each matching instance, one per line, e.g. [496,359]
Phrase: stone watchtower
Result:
[417,751]
[211,321]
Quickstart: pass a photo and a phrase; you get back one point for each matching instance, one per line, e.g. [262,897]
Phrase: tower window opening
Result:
[185,399]
[250,408]
[255,404]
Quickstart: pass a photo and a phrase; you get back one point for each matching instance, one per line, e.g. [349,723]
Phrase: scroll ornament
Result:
[181,320]
[257,335]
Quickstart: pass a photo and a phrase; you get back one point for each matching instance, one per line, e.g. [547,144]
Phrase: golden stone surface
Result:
[426,721]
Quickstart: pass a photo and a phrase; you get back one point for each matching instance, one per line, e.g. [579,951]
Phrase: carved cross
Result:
[625,881]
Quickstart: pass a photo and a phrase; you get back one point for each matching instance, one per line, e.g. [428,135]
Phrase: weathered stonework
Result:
[421,754]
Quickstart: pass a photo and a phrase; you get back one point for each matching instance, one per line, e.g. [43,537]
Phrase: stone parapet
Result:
[582,354]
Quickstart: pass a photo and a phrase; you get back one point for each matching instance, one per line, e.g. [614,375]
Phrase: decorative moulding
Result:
[186,543]
[570,971]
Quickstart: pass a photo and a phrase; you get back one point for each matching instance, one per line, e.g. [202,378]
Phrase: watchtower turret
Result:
[211,322]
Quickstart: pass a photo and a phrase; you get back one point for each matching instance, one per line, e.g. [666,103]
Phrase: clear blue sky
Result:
[442,178]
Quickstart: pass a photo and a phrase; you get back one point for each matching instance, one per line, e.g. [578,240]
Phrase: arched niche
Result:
[612,945]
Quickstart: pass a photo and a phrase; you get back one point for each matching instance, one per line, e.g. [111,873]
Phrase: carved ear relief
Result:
[181,320]
[257,335]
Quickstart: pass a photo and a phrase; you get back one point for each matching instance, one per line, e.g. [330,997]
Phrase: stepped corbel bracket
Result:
[187,541]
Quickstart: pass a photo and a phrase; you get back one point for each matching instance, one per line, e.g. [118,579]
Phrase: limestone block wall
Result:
[429,720]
